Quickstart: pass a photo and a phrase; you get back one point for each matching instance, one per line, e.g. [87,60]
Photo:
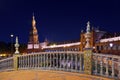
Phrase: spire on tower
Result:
[88,27]
[33,21]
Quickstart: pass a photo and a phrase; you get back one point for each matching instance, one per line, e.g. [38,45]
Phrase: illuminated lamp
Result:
[111,44]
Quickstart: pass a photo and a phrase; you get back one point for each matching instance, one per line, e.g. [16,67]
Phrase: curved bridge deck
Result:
[46,75]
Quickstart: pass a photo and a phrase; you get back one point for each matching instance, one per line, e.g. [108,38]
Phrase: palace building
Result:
[100,41]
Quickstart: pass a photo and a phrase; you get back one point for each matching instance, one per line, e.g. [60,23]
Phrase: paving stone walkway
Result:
[46,75]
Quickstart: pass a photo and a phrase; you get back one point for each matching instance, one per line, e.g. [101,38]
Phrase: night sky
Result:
[57,20]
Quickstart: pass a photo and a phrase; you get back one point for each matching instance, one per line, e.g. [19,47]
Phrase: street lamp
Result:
[111,45]
[11,43]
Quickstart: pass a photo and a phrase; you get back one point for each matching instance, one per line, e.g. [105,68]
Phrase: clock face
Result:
[36,46]
[30,46]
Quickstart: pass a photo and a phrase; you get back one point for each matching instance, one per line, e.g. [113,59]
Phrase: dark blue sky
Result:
[57,20]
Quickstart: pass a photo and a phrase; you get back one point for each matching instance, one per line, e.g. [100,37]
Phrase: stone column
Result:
[88,61]
[15,58]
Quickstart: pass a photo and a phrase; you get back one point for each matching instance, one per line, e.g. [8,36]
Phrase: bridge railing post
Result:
[88,61]
[119,70]
[15,60]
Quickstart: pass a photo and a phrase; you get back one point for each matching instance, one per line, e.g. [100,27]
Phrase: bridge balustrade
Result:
[66,61]
[6,64]
[106,65]
[102,65]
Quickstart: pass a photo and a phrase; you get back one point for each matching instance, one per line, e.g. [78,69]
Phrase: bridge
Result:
[67,61]
[86,62]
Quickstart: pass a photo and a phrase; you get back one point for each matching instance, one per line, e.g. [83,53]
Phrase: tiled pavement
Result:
[46,75]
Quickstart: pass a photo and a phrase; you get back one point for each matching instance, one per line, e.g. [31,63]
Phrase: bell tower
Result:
[33,44]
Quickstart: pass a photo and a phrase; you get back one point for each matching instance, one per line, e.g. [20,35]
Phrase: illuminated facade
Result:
[97,42]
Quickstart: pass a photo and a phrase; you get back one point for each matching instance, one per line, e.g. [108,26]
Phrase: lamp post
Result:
[11,43]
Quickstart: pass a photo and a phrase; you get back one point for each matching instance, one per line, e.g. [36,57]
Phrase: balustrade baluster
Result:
[101,67]
[44,60]
[64,62]
[53,61]
[107,67]
[71,61]
[57,61]
[96,65]
[25,61]
[47,61]
[68,62]
[81,62]
[35,63]
[112,67]
[32,56]
[19,66]
[28,61]
[76,62]
[60,62]
[22,62]
[37,60]
[50,61]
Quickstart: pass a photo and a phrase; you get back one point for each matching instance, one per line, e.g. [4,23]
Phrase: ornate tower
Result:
[33,44]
